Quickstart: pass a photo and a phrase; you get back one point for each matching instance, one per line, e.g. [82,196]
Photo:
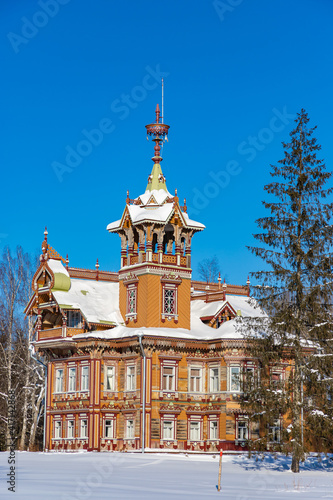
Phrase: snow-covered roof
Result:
[97,300]
[56,266]
[160,195]
[198,331]
[158,214]
[154,213]
[192,223]
[113,225]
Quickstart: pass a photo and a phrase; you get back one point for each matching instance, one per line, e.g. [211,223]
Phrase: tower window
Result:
[131,310]
[169,301]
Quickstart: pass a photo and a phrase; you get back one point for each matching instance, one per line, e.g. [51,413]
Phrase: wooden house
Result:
[145,357]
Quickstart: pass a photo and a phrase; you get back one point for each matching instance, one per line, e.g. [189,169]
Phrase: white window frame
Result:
[109,428]
[71,378]
[57,429]
[84,378]
[275,431]
[71,428]
[242,430]
[107,369]
[213,426]
[168,379]
[214,380]
[237,386]
[195,382]
[168,429]
[59,380]
[83,427]
[130,374]
[195,428]
[130,428]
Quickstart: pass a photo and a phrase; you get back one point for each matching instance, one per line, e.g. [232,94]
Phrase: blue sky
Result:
[235,72]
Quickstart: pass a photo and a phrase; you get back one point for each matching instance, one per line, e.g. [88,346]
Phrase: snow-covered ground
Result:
[65,476]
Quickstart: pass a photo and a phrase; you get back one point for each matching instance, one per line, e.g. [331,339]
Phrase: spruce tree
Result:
[289,395]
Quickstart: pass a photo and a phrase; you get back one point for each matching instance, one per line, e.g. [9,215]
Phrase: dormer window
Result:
[74,319]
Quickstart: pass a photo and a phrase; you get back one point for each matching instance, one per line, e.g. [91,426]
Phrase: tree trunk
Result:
[25,404]
[36,402]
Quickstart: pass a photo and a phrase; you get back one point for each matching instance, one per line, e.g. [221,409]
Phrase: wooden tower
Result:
[156,235]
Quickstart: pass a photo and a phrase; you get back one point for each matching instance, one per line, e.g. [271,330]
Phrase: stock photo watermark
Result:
[11,475]
[225,7]
[48,9]
[121,108]
[248,148]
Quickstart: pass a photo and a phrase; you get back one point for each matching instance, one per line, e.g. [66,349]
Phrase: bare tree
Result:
[18,371]
[11,276]
[208,269]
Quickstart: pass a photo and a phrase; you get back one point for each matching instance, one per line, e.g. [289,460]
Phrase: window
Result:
[195,431]
[57,429]
[195,379]
[70,428]
[169,301]
[59,380]
[249,378]
[129,429]
[109,428]
[276,379]
[85,378]
[131,300]
[74,319]
[235,378]
[242,430]
[110,378]
[275,432]
[214,379]
[170,285]
[84,428]
[168,429]
[72,379]
[168,378]
[213,430]
[130,378]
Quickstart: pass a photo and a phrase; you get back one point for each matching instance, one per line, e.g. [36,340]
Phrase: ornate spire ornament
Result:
[159,131]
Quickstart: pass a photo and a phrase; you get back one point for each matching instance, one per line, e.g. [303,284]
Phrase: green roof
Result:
[156,179]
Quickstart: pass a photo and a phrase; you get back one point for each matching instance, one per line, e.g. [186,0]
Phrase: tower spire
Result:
[159,132]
